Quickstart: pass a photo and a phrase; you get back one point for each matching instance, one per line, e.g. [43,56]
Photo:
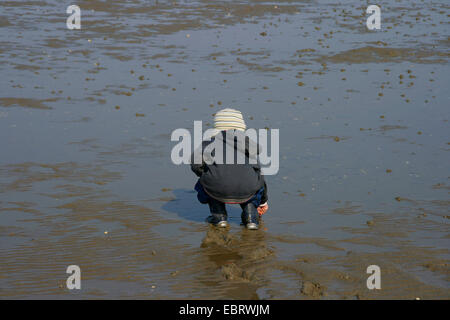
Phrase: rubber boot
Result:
[250,216]
[218,215]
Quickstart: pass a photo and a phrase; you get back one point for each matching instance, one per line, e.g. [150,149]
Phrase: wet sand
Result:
[85,170]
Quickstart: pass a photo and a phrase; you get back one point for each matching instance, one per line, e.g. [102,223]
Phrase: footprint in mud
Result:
[218,237]
[313,290]
[258,254]
[239,257]
[234,273]
[250,249]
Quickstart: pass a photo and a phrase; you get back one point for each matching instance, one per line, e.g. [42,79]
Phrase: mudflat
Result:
[85,171]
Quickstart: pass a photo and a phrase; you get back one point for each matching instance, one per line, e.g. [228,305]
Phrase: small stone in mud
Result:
[141,78]
[381,117]
[173,274]
[300,84]
[263,34]
[398,199]
[337,139]
[370,223]
[131,71]
[117,107]
[422,215]
[388,170]
[140,115]
[166,189]
[419,132]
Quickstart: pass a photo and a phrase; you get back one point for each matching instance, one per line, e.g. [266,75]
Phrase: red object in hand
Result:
[263,209]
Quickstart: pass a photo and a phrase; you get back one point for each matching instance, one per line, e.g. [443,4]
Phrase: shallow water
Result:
[85,170]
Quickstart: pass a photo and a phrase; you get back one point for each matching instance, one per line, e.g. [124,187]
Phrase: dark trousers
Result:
[218,207]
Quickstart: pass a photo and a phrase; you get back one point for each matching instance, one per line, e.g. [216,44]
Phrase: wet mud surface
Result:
[85,171]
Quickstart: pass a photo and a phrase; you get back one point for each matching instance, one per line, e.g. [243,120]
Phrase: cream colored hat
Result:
[227,119]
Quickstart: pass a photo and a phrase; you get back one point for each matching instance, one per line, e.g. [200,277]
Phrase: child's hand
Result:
[263,209]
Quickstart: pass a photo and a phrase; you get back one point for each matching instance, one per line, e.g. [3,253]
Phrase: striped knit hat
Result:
[227,119]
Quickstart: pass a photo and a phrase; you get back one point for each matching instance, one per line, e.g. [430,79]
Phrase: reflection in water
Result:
[241,258]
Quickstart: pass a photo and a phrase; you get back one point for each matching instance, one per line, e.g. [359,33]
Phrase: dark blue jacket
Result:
[234,182]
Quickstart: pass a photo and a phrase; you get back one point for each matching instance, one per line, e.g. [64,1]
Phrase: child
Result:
[223,182]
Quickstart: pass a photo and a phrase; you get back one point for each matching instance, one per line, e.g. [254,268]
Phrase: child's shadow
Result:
[186,206]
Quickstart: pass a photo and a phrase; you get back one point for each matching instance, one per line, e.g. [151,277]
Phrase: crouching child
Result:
[229,172]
